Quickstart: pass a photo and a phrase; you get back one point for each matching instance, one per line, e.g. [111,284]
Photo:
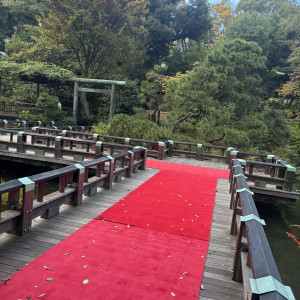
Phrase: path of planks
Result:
[15,251]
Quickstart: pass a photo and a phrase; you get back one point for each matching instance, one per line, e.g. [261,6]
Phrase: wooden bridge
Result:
[238,248]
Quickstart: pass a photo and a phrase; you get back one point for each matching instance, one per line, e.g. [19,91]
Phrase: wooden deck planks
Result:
[15,251]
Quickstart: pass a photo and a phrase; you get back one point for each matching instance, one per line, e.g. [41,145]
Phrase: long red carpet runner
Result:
[152,244]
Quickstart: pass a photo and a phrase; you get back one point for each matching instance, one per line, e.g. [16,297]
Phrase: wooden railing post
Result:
[27,206]
[99,149]
[170,148]
[289,178]
[20,142]
[233,155]
[161,150]
[77,199]
[95,139]
[110,172]
[5,124]
[199,151]
[131,162]
[269,159]
[228,155]
[24,125]
[58,147]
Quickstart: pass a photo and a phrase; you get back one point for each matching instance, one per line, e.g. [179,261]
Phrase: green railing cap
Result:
[127,140]
[20,133]
[245,190]
[95,135]
[252,217]
[64,131]
[29,184]
[270,156]
[290,168]
[5,122]
[242,161]
[110,157]
[230,149]
[171,142]
[139,147]
[199,145]
[269,284]
[80,168]
[98,143]
[58,138]
[161,144]
[234,152]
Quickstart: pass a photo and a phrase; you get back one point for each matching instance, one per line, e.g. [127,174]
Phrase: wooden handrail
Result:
[19,216]
[259,258]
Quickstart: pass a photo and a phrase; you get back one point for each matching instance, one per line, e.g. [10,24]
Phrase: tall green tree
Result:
[6,25]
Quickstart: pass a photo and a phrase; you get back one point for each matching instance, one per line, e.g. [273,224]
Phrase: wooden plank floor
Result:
[16,252]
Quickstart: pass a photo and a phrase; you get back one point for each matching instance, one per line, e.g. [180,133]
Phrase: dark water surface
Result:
[286,252]
[10,171]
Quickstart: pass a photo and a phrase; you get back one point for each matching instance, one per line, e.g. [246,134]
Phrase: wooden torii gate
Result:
[111,92]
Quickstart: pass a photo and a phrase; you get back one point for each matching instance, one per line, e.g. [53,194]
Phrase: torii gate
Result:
[111,92]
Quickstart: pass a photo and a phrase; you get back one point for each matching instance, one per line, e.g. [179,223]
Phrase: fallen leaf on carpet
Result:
[18,269]
[67,254]
[173,294]
[49,279]
[49,269]
[169,256]
[181,278]
[28,298]
[36,286]
[128,226]
[184,273]
[85,266]
[41,295]
[83,256]
[85,281]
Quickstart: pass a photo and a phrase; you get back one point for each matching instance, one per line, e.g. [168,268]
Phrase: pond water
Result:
[8,171]
[278,218]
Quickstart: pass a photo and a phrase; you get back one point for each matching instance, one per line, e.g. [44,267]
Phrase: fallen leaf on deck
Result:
[42,295]
[67,254]
[85,266]
[128,226]
[169,256]
[47,268]
[184,273]
[181,278]
[49,279]
[173,294]
[202,287]
[85,281]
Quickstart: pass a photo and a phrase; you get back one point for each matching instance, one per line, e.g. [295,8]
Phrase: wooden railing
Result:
[254,263]
[24,125]
[74,182]
[58,146]
[15,109]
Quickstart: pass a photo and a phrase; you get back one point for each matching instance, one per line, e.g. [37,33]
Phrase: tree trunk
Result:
[85,112]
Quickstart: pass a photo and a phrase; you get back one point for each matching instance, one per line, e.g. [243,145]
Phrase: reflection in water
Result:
[279,218]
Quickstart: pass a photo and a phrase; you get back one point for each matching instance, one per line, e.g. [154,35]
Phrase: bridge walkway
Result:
[17,251]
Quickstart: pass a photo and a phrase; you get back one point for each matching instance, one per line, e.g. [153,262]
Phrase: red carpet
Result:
[161,257]
[118,262]
[178,200]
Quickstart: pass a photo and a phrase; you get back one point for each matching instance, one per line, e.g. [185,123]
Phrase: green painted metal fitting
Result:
[230,149]
[24,122]
[242,162]
[29,184]
[234,152]
[5,122]
[34,128]
[290,168]
[110,157]
[64,132]
[80,168]
[20,133]
[161,144]
[40,123]
[127,140]
[270,156]
[55,127]
[130,152]
[82,127]
[245,190]
[58,138]
[238,175]
[95,135]
[140,147]
[199,145]
[98,144]
[70,128]
[269,284]
[252,217]
[171,142]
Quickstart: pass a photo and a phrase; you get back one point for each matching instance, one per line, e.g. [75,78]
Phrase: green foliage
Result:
[35,71]
[50,106]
